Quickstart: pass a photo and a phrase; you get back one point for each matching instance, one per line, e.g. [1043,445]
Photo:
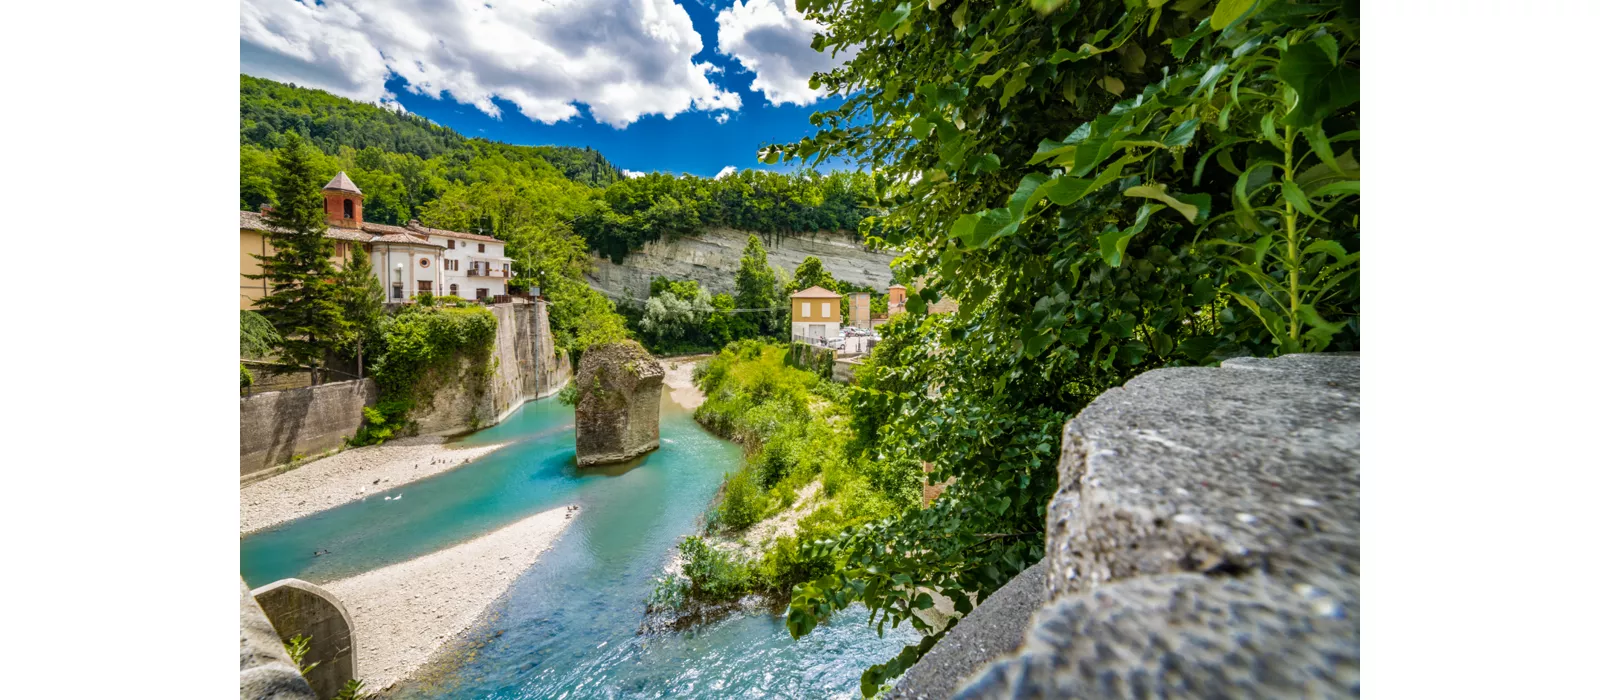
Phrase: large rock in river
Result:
[619,403]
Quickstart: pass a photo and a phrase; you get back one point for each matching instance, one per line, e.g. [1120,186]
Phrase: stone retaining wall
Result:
[523,365]
[275,426]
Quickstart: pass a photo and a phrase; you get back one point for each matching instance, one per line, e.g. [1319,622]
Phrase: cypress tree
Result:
[304,304]
[361,301]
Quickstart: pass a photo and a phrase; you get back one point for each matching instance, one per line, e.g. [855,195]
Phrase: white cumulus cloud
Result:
[726,171]
[633,173]
[773,40]
[622,58]
[722,118]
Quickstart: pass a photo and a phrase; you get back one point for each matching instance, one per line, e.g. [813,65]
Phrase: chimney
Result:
[265,207]
[414,224]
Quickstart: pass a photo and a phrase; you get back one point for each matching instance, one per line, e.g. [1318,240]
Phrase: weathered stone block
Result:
[618,414]
[1204,540]
[1183,635]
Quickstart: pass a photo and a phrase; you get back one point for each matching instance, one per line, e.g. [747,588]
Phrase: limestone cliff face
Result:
[618,415]
[524,365]
[711,258]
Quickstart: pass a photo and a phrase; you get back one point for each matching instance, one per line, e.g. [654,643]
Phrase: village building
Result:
[408,260]
[815,313]
[861,309]
[897,299]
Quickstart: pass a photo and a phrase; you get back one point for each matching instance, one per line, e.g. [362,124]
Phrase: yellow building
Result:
[815,313]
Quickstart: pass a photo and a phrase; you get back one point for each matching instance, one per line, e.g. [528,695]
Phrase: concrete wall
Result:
[711,257]
[524,365]
[298,608]
[265,669]
[275,426]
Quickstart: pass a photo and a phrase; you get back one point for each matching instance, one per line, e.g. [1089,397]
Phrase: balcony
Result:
[487,272]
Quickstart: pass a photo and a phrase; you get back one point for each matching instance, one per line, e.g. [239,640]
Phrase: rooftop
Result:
[342,183]
[814,293]
[412,232]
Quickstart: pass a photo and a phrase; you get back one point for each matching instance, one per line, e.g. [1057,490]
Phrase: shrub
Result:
[743,503]
[245,378]
[713,573]
[784,565]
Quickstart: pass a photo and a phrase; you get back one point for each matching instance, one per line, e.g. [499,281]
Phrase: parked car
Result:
[836,343]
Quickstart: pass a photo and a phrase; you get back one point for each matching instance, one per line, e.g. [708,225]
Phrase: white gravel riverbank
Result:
[348,476]
[679,380]
[406,613]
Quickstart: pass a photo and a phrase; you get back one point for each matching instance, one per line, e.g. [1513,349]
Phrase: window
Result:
[341,249]
[399,291]
[349,209]
[423,262]
[826,308]
[451,244]
[805,309]
[453,290]
[425,286]
[483,293]
[480,247]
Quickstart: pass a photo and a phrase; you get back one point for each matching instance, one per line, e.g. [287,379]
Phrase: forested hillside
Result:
[268,109]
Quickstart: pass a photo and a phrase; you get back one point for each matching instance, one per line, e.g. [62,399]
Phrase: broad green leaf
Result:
[1112,85]
[1159,192]
[1018,81]
[988,80]
[1320,175]
[960,16]
[1337,188]
[1026,194]
[1297,199]
[1229,10]
[893,16]
[934,4]
[1052,149]
[1319,145]
[1182,135]
[1324,246]
[916,305]
[920,128]
[1324,87]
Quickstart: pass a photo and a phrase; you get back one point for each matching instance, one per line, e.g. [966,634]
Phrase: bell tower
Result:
[341,201]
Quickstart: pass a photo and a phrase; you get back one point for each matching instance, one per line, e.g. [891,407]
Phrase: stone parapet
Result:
[1204,540]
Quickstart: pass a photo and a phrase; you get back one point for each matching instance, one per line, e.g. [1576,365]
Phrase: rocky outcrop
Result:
[618,413]
[1204,540]
[711,257]
[523,365]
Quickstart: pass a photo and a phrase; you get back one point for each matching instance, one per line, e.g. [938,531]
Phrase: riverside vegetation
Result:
[797,431]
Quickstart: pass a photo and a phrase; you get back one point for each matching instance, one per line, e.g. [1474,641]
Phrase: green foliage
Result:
[756,287]
[810,358]
[743,503]
[304,302]
[245,378]
[568,395]
[713,574]
[257,337]
[421,345]
[361,303]
[1105,187]
[298,646]
[635,211]
[353,689]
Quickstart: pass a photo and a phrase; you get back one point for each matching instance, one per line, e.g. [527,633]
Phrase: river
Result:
[569,628]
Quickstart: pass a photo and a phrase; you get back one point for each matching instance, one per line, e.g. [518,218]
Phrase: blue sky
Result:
[621,76]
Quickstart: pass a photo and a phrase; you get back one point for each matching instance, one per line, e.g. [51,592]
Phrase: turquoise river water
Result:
[569,628]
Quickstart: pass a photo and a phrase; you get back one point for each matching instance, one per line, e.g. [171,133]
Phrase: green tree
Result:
[304,304]
[1105,187]
[810,274]
[756,285]
[361,302]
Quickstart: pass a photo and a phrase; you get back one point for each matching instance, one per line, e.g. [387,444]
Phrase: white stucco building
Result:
[408,260]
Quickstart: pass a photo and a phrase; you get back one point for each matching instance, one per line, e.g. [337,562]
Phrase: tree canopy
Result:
[1105,187]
